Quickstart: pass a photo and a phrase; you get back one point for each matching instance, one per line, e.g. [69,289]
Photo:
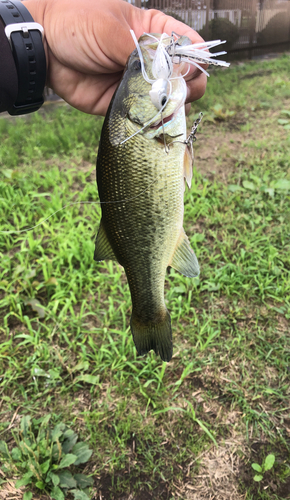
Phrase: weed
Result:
[266,465]
[43,456]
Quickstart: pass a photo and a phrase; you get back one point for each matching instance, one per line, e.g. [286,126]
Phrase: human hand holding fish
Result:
[88,42]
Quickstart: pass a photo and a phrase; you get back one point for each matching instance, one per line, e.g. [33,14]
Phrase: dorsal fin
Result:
[103,249]
[184,259]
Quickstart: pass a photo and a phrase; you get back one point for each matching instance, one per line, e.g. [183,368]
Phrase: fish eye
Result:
[136,64]
[164,100]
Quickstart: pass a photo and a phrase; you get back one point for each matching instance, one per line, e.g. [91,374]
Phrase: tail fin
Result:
[155,336]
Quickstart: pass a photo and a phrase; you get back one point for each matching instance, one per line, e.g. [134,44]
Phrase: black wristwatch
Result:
[25,38]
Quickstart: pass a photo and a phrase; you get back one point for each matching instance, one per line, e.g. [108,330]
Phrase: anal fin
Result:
[103,249]
[184,259]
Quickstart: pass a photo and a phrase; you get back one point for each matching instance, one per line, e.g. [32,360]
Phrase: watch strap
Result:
[8,74]
[25,39]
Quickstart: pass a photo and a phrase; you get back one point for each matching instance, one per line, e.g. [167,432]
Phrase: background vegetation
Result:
[191,428]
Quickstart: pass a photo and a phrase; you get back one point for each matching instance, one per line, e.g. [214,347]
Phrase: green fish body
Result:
[141,188]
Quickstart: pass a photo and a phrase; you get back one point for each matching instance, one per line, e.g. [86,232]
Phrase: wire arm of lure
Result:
[191,138]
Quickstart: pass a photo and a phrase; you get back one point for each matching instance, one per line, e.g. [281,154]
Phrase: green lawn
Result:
[191,428]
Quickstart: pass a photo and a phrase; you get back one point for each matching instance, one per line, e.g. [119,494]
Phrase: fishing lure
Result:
[173,50]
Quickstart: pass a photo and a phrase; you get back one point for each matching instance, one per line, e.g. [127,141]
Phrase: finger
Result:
[187,108]
[196,88]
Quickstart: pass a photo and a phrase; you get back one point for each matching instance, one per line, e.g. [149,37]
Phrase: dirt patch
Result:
[8,491]
[223,148]
[218,476]
[105,488]
[284,491]
[216,152]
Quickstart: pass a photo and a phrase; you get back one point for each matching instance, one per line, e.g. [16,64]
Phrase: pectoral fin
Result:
[103,249]
[187,166]
[184,259]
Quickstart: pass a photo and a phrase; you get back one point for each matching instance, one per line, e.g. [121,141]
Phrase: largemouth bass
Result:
[141,170]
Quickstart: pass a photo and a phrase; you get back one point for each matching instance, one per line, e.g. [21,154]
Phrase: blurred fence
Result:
[251,27]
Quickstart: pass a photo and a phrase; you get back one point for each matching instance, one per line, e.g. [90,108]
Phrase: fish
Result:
[142,164]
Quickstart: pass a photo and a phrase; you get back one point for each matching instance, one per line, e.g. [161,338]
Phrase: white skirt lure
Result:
[175,53]
[166,55]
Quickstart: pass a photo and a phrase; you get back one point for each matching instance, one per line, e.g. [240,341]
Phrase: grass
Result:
[190,428]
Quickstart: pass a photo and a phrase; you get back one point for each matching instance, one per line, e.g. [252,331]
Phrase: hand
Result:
[87,43]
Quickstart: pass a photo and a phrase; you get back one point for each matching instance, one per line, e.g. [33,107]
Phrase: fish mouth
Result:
[167,119]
